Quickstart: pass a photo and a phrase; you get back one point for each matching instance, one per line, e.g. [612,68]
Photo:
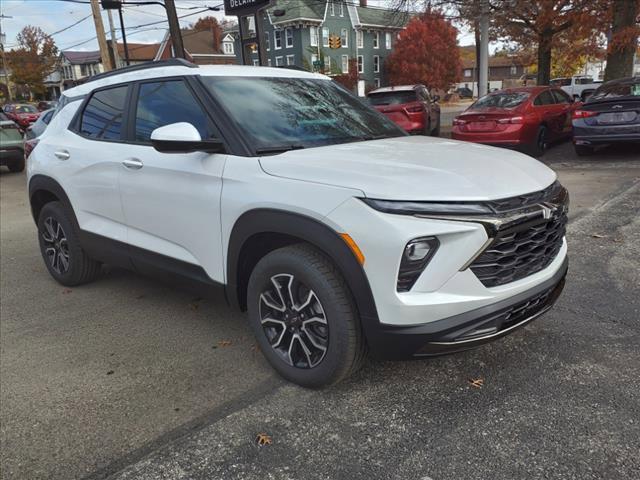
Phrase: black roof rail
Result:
[171,62]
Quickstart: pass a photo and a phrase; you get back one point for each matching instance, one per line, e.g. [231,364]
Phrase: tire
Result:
[436,131]
[324,317]
[583,150]
[538,147]
[60,247]
[16,165]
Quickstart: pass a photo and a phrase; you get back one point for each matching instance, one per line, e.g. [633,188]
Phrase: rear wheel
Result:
[436,131]
[583,150]
[538,147]
[60,248]
[16,165]
[304,318]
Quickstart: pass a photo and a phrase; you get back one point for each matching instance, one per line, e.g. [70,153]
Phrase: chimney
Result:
[363,3]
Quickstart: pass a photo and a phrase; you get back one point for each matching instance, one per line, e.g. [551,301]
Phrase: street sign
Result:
[244,7]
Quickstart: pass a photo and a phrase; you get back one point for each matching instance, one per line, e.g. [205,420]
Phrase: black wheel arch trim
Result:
[312,231]
[45,183]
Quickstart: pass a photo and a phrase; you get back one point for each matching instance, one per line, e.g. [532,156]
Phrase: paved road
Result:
[126,378]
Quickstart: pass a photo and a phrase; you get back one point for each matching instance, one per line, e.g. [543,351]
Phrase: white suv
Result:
[339,234]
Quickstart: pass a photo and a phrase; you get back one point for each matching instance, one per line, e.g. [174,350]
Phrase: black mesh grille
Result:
[520,251]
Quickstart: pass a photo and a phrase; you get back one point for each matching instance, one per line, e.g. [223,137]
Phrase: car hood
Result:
[415,168]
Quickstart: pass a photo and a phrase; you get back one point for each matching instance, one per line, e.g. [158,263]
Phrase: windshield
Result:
[393,98]
[284,113]
[26,109]
[617,90]
[501,100]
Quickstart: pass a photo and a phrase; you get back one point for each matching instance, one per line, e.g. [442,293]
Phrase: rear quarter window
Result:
[102,117]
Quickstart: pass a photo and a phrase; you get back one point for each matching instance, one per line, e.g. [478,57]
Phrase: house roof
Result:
[199,42]
[78,58]
[139,51]
[495,62]
[297,9]
[381,17]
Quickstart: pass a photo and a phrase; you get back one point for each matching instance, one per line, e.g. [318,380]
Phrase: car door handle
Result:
[133,164]
[62,155]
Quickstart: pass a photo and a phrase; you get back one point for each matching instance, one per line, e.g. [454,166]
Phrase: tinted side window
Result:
[47,117]
[544,98]
[102,117]
[561,96]
[163,103]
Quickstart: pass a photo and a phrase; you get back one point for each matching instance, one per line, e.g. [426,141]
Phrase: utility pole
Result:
[484,49]
[124,37]
[102,41]
[174,29]
[4,62]
[114,42]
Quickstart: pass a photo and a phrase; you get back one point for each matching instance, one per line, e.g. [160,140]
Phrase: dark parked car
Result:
[11,145]
[46,105]
[23,114]
[464,92]
[528,118]
[409,106]
[610,115]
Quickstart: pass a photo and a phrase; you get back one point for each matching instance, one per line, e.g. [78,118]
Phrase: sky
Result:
[55,15]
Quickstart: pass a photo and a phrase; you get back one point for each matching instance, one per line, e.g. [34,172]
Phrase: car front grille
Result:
[525,244]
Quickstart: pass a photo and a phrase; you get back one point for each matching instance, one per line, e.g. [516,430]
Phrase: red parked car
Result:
[411,107]
[528,118]
[23,114]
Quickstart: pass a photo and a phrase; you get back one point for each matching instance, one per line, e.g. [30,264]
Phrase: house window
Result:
[341,9]
[279,62]
[360,64]
[256,62]
[277,39]
[325,37]
[289,35]
[344,38]
[467,72]
[267,41]
[332,10]
[376,82]
[376,40]
[376,63]
[387,40]
[269,62]
[360,38]
[227,48]
[514,70]
[313,33]
[327,64]
[345,64]
[291,59]
[83,70]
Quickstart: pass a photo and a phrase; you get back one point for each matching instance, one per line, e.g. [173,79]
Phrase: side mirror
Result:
[183,137]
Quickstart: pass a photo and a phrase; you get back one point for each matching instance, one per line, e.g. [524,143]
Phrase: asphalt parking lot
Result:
[129,378]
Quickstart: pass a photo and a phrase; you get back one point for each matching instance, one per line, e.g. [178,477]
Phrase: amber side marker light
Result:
[354,247]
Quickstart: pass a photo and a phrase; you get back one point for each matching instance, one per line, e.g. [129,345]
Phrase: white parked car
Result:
[579,86]
[337,232]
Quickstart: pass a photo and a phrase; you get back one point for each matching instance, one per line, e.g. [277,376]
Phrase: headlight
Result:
[428,208]
[415,258]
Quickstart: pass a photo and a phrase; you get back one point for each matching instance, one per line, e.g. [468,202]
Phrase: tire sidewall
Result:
[285,261]
[57,212]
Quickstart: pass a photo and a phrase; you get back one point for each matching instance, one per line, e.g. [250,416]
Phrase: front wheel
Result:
[304,318]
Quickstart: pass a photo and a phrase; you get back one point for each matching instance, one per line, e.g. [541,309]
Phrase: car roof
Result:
[530,89]
[397,88]
[184,70]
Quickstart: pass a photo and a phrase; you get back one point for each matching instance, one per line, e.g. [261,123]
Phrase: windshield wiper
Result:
[279,148]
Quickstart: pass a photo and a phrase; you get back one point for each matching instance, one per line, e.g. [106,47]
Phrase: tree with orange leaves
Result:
[426,52]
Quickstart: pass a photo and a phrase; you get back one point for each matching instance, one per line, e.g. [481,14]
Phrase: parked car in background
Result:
[578,87]
[46,105]
[40,125]
[409,106]
[21,113]
[610,115]
[11,144]
[464,92]
[528,118]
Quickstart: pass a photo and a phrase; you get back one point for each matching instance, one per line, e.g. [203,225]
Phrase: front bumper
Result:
[467,330]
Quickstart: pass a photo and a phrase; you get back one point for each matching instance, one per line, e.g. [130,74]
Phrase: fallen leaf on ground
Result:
[224,343]
[110,372]
[66,291]
[597,235]
[477,383]
[139,297]
[263,439]
[194,306]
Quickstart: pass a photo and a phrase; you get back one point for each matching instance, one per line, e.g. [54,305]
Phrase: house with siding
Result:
[200,48]
[298,33]
[504,71]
